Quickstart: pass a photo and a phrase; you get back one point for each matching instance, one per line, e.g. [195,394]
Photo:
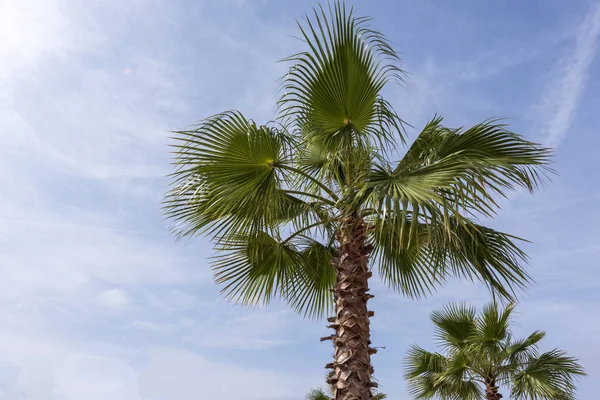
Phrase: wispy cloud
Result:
[564,94]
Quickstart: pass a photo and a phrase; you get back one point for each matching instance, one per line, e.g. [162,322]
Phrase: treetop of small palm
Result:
[481,354]
[272,197]
[320,394]
[317,394]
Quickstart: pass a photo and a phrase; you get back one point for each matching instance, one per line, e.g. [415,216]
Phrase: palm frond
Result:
[518,351]
[415,257]
[469,390]
[310,292]
[411,268]
[455,325]
[423,370]
[420,361]
[332,90]
[493,323]
[457,172]
[317,394]
[445,177]
[481,162]
[225,179]
[431,375]
[487,255]
[253,268]
[550,376]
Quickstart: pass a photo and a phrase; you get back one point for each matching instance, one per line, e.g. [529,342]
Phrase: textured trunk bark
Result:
[491,391]
[351,367]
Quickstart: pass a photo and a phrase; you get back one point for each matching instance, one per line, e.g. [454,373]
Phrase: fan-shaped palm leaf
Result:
[332,91]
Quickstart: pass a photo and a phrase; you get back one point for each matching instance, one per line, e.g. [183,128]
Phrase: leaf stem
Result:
[307,176]
[298,232]
[314,196]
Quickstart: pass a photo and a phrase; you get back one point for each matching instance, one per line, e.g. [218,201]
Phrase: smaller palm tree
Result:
[481,356]
[320,394]
[317,394]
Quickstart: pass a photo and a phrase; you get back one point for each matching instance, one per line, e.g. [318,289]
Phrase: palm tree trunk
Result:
[491,391]
[352,369]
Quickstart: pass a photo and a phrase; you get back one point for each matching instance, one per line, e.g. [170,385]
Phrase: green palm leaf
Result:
[481,355]
[225,180]
[478,163]
[490,256]
[332,90]
[458,171]
[520,350]
[419,361]
[317,394]
[310,292]
[493,323]
[454,325]
[253,268]
[412,268]
[416,257]
[549,376]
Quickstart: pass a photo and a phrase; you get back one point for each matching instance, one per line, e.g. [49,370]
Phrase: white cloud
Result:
[185,376]
[95,378]
[30,30]
[97,125]
[562,98]
[68,258]
[218,325]
[145,325]
[244,329]
[38,367]
[114,298]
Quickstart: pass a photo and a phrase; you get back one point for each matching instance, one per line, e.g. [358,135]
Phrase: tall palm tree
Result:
[301,208]
[481,355]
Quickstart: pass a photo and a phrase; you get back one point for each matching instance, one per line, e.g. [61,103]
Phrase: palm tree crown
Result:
[299,207]
[273,196]
[481,355]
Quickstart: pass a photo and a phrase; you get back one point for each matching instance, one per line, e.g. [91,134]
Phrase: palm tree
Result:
[301,208]
[320,394]
[317,394]
[482,355]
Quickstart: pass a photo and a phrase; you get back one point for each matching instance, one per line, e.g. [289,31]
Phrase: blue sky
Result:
[97,301]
